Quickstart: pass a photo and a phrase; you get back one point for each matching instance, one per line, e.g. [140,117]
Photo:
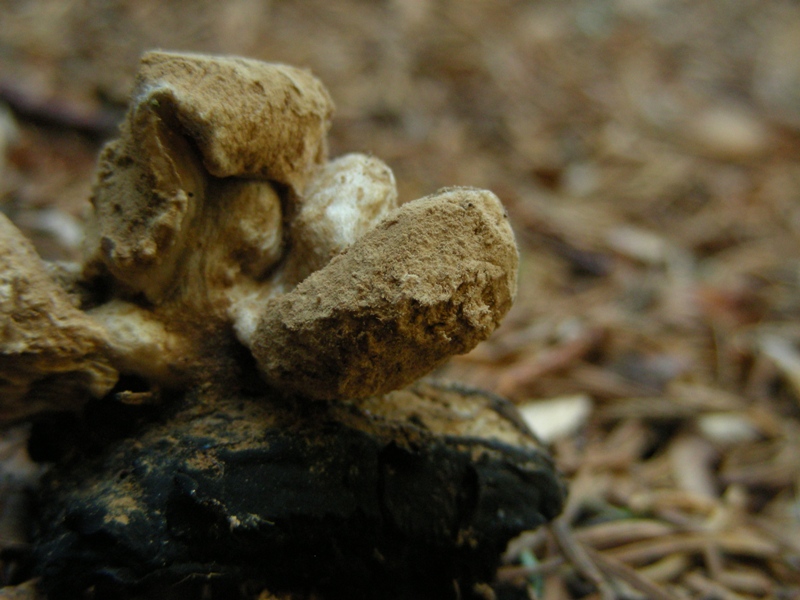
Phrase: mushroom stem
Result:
[141,344]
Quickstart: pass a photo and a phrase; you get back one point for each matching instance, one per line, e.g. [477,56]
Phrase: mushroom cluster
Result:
[217,208]
[223,241]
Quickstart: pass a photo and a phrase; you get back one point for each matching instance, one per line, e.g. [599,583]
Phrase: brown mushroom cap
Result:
[196,124]
[431,280]
[51,354]
[247,117]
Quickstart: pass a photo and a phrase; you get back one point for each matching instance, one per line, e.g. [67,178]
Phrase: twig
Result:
[694,543]
[512,573]
[628,575]
[710,588]
[622,531]
[577,554]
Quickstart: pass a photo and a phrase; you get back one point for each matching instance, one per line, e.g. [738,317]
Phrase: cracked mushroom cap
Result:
[201,132]
[432,279]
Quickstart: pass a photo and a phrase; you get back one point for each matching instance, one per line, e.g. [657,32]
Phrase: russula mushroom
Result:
[280,300]
[432,279]
[211,211]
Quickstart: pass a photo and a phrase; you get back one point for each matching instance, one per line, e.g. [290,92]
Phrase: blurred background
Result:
[648,154]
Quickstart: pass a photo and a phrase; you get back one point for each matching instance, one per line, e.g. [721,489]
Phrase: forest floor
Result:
[648,152]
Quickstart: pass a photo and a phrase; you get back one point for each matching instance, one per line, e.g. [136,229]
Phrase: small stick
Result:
[695,543]
[512,573]
[628,575]
[577,554]
[710,588]
[527,371]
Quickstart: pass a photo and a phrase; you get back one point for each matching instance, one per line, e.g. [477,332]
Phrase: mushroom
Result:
[430,280]
[51,353]
[232,265]
[217,206]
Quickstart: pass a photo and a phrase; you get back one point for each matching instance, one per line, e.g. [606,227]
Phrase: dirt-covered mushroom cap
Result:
[194,123]
[52,355]
[432,279]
